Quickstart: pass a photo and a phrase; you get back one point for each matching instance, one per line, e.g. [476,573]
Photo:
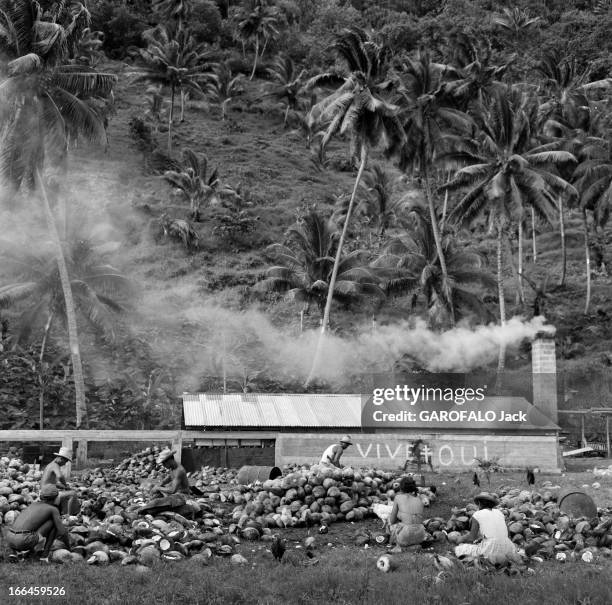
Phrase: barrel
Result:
[576,503]
[250,474]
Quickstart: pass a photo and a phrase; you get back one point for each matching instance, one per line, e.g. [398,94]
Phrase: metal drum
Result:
[250,474]
[576,503]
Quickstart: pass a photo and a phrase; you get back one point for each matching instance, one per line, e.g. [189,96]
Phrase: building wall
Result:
[232,457]
[448,451]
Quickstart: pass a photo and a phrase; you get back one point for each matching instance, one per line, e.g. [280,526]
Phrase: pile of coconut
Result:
[537,526]
[111,525]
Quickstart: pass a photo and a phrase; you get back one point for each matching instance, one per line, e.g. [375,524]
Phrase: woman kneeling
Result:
[406,519]
[488,526]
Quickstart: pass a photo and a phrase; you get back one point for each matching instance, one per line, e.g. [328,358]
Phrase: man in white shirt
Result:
[331,456]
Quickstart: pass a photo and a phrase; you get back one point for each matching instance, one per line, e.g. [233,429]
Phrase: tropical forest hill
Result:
[200,213]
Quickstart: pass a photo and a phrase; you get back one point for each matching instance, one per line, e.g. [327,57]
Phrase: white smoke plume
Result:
[250,341]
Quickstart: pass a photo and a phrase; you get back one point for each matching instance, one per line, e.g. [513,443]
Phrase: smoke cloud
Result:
[247,342]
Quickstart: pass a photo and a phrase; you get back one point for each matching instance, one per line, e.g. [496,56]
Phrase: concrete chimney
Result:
[544,369]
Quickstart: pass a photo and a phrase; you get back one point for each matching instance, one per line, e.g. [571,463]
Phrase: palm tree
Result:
[177,63]
[379,204]
[258,22]
[427,114]
[98,292]
[358,107]
[45,98]
[505,171]
[476,77]
[223,86]
[593,179]
[196,184]
[306,264]
[516,22]
[173,11]
[585,134]
[412,266]
[565,85]
[289,83]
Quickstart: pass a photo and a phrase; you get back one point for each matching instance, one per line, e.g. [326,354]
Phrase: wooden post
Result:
[81,453]
[177,446]
[67,442]
[582,437]
[608,435]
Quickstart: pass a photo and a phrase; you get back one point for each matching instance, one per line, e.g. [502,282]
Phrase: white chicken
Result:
[382,511]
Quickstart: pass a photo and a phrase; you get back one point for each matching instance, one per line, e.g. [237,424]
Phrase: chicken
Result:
[442,563]
[278,548]
[382,511]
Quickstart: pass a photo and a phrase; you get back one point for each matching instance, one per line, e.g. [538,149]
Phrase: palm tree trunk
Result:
[501,361]
[563,246]
[521,291]
[263,51]
[170,118]
[533,236]
[332,281]
[182,119]
[438,240]
[73,337]
[41,396]
[587,258]
[256,57]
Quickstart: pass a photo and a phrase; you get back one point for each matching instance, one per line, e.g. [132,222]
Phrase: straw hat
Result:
[64,452]
[346,439]
[165,455]
[487,497]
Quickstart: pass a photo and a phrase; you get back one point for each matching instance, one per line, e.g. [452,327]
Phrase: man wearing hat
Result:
[331,456]
[179,484]
[488,535]
[67,500]
[39,520]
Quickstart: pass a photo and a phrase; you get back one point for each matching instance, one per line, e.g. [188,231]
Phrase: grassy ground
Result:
[342,576]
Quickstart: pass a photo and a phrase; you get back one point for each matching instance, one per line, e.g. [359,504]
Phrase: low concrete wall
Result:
[447,451]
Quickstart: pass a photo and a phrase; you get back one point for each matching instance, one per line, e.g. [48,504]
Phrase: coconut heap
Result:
[111,526]
[537,526]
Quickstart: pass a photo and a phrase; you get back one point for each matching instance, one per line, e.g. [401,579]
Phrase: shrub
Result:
[205,21]
[122,28]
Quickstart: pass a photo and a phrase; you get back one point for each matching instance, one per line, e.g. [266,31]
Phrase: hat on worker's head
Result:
[48,492]
[64,452]
[486,497]
[165,455]
[346,439]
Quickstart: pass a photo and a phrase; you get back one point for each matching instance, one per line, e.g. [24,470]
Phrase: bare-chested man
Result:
[39,519]
[67,500]
[179,484]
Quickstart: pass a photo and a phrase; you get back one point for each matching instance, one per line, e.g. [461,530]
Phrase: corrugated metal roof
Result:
[264,410]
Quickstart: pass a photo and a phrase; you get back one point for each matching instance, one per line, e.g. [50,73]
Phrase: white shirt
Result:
[329,454]
[492,524]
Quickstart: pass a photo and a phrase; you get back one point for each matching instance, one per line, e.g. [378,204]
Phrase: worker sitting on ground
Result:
[67,500]
[177,478]
[488,527]
[406,519]
[331,456]
[37,521]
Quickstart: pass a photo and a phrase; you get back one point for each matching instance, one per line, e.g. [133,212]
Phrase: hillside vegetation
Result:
[196,169]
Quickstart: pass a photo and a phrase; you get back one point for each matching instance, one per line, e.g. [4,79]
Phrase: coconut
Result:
[386,563]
